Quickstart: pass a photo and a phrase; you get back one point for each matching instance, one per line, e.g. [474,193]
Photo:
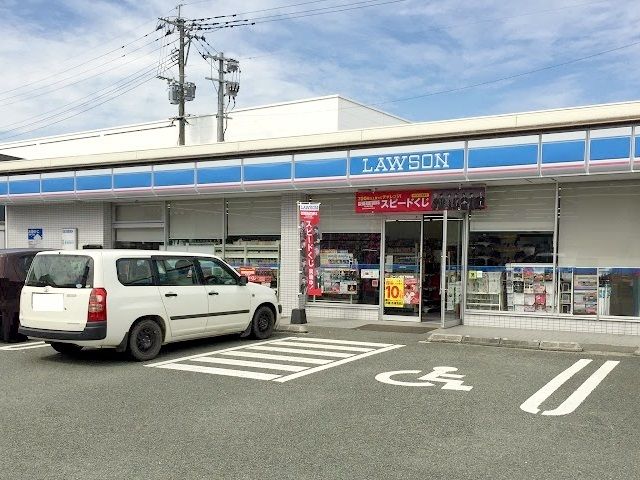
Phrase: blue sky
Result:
[378,55]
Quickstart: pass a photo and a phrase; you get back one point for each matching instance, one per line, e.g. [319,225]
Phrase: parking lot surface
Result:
[353,404]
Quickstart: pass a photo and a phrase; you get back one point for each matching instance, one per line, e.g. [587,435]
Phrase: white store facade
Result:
[530,220]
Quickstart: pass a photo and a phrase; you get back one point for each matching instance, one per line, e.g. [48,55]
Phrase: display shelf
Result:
[485,290]
[529,287]
[585,294]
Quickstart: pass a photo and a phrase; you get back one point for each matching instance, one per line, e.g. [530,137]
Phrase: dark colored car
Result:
[14,265]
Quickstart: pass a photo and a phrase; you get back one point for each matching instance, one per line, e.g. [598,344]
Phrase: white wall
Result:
[599,224]
[136,137]
[353,115]
[93,221]
[304,117]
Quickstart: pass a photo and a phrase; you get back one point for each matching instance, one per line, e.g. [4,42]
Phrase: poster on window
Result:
[309,215]
[394,292]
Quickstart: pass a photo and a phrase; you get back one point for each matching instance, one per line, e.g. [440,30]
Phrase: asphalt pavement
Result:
[99,415]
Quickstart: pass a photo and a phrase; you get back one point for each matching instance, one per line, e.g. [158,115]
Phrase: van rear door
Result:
[56,292]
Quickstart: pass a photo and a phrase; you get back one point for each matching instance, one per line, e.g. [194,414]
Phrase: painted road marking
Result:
[23,346]
[300,351]
[576,398]
[310,355]
[452,381]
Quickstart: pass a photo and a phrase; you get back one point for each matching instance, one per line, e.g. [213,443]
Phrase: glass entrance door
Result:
[451,293]
[401,294]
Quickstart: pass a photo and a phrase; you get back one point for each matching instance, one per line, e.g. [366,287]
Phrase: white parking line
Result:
[576,398]
[222,371]
[297,350]
[308,356]
[23,346]
[269,356]
[247,363]
[328,347]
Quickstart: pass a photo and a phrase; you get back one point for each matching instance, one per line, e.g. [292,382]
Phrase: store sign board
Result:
[310,245]
[394,292]
[69,239]
[35,237]
[407,163]
[406,201]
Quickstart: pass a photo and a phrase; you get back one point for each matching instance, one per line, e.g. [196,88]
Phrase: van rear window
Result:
[61,271]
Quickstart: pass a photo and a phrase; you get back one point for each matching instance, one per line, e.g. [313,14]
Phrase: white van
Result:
[137,300]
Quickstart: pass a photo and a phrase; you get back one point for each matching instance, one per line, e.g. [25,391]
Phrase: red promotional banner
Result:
[310,246]
[403,201]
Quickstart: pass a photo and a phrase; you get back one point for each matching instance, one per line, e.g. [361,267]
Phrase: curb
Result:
[554,346]
[298,328]
[560,346]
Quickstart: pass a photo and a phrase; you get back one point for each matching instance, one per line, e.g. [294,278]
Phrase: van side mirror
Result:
[243,280]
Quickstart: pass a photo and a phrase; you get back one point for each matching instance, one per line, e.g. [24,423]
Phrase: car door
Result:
[183,295]
[229,302]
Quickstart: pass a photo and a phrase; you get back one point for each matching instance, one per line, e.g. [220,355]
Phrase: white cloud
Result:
[372,55]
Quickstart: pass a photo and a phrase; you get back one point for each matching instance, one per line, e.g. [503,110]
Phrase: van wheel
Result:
[65,348]
[263,323]
[145,340]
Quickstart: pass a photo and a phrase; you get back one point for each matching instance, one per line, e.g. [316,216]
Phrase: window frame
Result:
[236,276]
[154,274]
[196,269]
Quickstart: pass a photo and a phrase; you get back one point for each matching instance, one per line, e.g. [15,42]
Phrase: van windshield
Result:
[61,271]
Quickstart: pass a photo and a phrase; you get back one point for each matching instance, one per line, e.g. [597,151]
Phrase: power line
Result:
[77,65]
[83,111]
[479,84]
[31,97]
[209,26]
[164,66]
[115,90]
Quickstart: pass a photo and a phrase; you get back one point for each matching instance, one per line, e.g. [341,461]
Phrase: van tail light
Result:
[97,311]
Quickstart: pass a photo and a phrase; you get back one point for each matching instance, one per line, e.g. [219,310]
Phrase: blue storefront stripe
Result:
[4,188]
[267,171]
[167,178]
[637,146]
[409,162]
[563,152]
[504,156]
[93,182]
[132,180]
[58,185]
[335,167]
[608,148]
[24,187]
[219,175]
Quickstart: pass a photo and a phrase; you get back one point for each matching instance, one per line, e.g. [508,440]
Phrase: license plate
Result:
[47,302]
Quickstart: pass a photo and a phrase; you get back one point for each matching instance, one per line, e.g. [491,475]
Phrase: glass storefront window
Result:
[511,271]
[256,256]
[349,268]
[619,292]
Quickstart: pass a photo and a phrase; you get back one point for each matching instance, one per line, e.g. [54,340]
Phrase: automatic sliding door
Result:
[402,285]
[452,260]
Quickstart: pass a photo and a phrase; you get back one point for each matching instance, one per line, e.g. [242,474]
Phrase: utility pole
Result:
[181,62]
[225,87]
[220,116]
[180,91]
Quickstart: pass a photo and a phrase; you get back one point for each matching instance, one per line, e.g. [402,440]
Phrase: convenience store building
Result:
[526,220]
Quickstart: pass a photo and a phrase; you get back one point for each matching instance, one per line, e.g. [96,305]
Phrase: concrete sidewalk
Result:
[497,337]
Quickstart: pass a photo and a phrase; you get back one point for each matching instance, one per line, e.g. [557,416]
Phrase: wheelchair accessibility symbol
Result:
[451,381]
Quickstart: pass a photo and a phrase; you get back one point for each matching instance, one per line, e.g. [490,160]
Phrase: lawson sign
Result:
[408,163]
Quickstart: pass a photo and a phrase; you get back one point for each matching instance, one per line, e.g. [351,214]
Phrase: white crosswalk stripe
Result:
[266,360]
